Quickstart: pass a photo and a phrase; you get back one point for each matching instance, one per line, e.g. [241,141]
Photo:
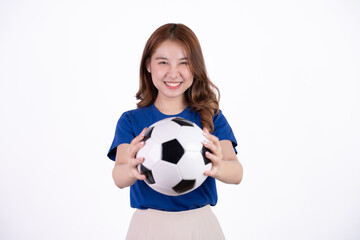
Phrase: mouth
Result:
[173,84]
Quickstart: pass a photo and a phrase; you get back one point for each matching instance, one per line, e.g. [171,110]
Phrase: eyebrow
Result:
[164,58]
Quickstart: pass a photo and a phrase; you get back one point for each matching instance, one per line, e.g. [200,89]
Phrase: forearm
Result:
[121,175]
[231,172]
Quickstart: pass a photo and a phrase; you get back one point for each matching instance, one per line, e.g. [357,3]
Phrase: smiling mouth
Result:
[173,84]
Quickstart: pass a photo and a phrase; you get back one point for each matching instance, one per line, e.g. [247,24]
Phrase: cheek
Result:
[188,75]
[156,72]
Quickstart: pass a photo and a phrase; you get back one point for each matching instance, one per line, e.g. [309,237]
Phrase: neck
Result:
[170,106]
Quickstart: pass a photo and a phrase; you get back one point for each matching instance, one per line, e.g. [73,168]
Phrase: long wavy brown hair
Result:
[202,96]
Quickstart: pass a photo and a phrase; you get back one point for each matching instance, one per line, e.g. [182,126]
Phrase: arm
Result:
[125,172]
[226,167]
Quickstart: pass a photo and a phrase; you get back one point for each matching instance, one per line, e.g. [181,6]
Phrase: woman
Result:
[174,82]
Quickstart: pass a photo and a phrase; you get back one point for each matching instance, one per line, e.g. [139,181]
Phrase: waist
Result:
[143,197]
[178,214]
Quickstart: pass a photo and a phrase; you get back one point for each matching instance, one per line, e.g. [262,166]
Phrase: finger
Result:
[142,134]
[138,175]
[206,131]
[212,157]
[134,148]
[211,137]
[134,162]
[208,144]
[210,173]
[137,143]
[134,168]
[213,171]
[139,137]
[213,148]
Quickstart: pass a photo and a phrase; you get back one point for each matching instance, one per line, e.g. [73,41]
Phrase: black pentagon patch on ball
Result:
[182,122]
[184,185]
[172,151]
[147,172]
[203,151]
[148,134]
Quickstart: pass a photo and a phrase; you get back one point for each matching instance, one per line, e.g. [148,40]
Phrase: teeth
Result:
[172,84]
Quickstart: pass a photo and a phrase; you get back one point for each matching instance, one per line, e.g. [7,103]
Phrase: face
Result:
[170,71]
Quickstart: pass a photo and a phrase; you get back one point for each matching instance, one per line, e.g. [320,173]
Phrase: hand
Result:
[135,145]
[215,156]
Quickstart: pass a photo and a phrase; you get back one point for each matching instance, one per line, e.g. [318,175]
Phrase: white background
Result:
[289,77]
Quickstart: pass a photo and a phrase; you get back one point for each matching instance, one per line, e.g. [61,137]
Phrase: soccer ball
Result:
[174,156]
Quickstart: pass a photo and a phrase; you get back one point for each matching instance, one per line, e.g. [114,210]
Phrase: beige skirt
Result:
[196,224]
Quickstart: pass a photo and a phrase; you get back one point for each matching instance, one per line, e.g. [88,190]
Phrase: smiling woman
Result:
[174,83]
[202,96]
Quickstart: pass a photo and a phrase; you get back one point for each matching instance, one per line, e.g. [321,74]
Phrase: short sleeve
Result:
[124,133]
[222,129]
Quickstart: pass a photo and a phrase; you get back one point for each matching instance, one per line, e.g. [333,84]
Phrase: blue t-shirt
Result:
[130,125]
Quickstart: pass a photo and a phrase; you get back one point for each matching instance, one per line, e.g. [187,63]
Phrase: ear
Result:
[148,66]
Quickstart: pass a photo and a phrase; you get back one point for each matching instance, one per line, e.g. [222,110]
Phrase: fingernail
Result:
[206,141]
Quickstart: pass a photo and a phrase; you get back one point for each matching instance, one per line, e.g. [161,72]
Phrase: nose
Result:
[173,71]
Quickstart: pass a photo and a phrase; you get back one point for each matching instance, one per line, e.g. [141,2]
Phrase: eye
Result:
[184,63]
[162,62]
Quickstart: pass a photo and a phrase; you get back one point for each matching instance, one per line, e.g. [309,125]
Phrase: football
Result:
[174,156]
